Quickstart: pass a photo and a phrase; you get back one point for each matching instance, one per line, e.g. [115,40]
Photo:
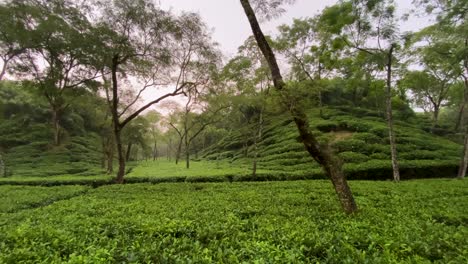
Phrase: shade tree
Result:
[330,164]
[146,47]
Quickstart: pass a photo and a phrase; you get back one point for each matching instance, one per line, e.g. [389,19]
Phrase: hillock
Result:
[359,137]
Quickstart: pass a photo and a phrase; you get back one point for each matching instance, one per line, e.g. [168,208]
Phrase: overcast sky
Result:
[231,28]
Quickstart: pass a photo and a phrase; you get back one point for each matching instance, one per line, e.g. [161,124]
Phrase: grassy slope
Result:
[31,154]
[360,138]
[277,222]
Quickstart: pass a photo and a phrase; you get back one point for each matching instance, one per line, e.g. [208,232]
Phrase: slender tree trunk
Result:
[104,153]
[155,150]
[330,164]
[169,149]
[257,137]
[254,162]
[110,154]
[110,160]
[459,117]
[129,150]
[4,68]
[116,123]
[464,126]
[2,167]
[389,114]
[178,152]
[187,150]
[121,158]
[56,125]
[435,117]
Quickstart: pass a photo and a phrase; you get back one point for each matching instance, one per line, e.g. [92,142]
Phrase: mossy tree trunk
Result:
[330,164]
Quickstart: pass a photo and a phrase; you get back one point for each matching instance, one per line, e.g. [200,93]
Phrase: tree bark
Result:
[459,117]
[115,116]
[121,158]
[187,159]
[2,167]
[330,164]
[254,161]
[129,150]
[257,137]
[155,150]
[435,117]
[464,159]
[179,150]
[110,154]
[104,153]
[388,102]
[4,68]
[56,125]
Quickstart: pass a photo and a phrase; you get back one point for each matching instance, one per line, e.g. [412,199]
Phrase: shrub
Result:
[368,137]
[353,157]
[415,169]
[356,125]
[379,156]
[353,145]
[420,154]
[327,125]
[381,131]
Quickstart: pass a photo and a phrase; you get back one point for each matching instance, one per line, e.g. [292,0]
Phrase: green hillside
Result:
[26,137]
[358,135]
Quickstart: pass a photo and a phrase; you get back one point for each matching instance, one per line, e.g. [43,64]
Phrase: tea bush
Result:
[273,222]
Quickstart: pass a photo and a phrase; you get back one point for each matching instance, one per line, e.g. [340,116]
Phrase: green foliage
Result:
[16,198]
[353,157]
[280,222]
[361,142]
[354,145]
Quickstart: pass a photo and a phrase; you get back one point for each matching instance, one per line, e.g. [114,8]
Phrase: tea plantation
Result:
[359,136]
[423,221]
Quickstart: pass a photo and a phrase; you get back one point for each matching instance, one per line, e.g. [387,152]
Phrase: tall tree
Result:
[157,50]
[430,91]
[56,54]
[249,76]
[369,28]
[331,165]
[15,34]
[154,118]
[311,52]
[449,41]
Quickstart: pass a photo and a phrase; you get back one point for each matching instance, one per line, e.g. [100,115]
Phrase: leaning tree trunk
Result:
[330,164]
[464,126]
[389,114]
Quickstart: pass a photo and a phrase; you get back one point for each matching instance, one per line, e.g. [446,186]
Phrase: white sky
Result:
[230,27]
